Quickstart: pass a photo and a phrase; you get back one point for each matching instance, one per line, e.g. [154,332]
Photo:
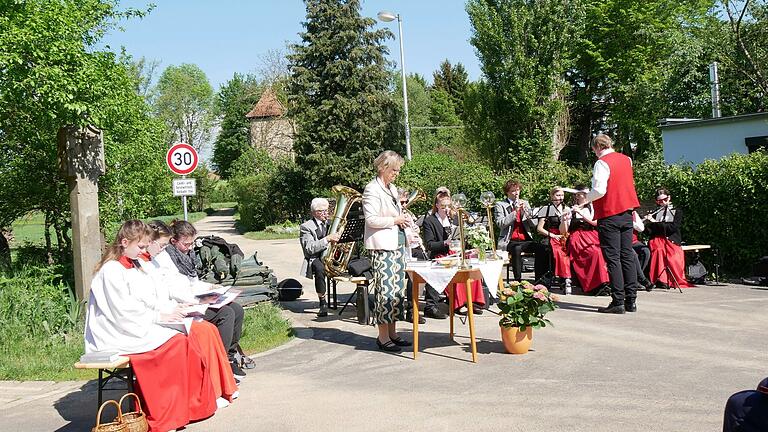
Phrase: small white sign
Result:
[184,187]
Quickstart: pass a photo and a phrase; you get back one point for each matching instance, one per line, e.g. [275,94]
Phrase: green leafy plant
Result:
[524,305]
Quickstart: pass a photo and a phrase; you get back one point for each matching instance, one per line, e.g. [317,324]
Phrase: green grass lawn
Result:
[29,229]
[24,359]
[267,235]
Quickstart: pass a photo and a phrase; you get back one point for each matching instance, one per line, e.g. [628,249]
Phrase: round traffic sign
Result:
[182,158]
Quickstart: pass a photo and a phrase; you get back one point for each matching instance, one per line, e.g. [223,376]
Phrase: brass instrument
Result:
[336,256]
[416,196]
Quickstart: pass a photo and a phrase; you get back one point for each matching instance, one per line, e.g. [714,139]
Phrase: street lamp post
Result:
[387,16]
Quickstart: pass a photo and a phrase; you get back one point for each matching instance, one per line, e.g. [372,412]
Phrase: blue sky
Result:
[228,36]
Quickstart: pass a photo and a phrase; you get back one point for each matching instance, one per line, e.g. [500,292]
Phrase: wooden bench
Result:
[119,369]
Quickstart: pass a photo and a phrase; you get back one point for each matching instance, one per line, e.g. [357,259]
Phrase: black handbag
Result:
[359,267]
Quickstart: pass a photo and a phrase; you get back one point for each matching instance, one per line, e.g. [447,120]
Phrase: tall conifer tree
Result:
[339,95]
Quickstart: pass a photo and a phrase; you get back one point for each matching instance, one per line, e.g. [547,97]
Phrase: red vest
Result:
[620,195]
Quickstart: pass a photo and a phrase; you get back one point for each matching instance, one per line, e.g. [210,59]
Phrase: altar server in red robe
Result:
[172,378]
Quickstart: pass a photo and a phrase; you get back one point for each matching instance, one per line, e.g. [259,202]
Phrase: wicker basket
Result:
[116,425]
[135,421]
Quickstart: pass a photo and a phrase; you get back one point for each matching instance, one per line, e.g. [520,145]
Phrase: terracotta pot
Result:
[515,341]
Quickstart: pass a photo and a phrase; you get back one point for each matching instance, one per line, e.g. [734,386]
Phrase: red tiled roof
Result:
[268,106]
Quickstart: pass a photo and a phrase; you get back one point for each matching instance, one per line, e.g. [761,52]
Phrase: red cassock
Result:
[587,257]
[173,384]
[207,336]
[562,262]
[665,253]
[460,297]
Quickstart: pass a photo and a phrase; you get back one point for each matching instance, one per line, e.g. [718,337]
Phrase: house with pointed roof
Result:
[270,129]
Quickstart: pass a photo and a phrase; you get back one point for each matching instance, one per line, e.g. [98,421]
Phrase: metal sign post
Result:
[182,159]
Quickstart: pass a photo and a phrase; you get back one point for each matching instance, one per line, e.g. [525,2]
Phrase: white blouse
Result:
[119,316]
[181,288]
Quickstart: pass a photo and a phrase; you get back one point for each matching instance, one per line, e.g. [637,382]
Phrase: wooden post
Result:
[81,162]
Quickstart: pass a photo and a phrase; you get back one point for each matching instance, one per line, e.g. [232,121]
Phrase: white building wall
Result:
[696,143]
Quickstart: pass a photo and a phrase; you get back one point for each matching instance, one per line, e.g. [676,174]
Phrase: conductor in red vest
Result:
[613,197]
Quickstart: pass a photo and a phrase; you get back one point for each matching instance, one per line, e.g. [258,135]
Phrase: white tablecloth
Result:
[439,276]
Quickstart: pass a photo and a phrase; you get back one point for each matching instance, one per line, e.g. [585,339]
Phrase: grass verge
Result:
[32,359]
[266,235]
[264,328]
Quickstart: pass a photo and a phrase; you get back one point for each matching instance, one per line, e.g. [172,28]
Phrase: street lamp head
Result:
[386,16]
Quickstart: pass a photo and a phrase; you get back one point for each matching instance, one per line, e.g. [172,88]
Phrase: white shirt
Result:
[600,175]
[118,318]
[181,288]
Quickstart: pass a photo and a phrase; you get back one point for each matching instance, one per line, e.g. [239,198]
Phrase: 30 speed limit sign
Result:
[182,158]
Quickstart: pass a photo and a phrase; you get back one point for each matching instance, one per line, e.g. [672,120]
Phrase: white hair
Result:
[318,203]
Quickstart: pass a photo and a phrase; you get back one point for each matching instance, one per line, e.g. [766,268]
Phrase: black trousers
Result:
[642,258]
[615,234]
[318,272]
[431,296]
[229,321]
[515,249]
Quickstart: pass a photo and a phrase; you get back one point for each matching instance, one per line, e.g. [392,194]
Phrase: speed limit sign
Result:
[182,158]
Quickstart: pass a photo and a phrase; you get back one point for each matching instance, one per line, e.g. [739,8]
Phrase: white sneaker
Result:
[221,403]
[235,395]
[567,286]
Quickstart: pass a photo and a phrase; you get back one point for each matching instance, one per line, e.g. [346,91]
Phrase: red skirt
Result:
[460,294]
[173,384]
[664,253]
[208,339]
[562,262]
[587,257]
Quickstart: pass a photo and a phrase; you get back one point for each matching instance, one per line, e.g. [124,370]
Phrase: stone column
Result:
[81,162]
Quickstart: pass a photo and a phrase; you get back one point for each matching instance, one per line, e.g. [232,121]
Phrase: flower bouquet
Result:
[477,236]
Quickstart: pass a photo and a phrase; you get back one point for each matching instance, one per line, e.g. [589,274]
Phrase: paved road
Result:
[668,367]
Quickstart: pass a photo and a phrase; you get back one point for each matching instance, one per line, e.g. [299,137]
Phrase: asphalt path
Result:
[669,367]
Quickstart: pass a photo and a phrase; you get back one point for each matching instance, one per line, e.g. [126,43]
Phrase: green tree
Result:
[624,58]
[339,95]
[523,51]
[185,104]
[453,80]
[234,100]
[51,75]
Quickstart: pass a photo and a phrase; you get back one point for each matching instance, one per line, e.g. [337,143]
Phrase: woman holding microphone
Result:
[384,237]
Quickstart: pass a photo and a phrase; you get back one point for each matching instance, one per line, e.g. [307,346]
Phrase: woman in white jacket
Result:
[385,223]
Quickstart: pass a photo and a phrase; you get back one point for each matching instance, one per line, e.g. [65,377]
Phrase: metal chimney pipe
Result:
[715,90]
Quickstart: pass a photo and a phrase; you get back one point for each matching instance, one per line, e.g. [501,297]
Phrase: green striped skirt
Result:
[389,283]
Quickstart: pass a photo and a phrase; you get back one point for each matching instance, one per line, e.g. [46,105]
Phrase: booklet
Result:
[182,326]
[99,357]
[224,299]
[217,291]
[195,310]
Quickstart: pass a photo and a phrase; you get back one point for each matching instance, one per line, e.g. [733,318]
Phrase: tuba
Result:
[415,196]
[336,256]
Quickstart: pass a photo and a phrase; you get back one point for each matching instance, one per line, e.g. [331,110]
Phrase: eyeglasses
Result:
[161,246]
[185,244]
[322,211]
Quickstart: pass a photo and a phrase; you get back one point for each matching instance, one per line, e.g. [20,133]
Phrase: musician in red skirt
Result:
[584,246]
[550,218]
[667,256]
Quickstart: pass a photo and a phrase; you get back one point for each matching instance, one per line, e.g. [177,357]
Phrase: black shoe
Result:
[648,285]
[460,311]
[323,309]
[662,285]
[612,308]
[630,306]
[388,346]
[602,290]
[401,342]
[409,318]
[434,313]
[236,370]
[477,309]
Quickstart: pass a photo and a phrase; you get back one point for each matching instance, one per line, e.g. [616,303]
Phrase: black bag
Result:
[289,290]
[360,267]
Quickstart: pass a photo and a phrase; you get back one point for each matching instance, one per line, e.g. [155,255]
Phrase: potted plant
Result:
[522,308]
[478,237]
